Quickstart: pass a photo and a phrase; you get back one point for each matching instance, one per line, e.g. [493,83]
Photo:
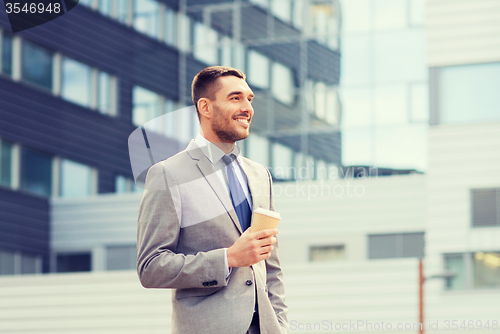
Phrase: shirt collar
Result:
[212,152]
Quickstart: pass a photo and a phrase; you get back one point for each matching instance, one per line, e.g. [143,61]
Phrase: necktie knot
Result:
[228,159]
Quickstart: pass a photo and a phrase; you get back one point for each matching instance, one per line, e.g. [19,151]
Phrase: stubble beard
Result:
[224,129]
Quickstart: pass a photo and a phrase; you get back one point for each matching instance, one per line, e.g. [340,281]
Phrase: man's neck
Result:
[225,147]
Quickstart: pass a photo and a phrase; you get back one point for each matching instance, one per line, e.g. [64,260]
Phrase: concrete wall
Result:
[461,157]
[462,32]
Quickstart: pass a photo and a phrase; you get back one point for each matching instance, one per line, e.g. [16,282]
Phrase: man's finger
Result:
[267,241]
[266,233]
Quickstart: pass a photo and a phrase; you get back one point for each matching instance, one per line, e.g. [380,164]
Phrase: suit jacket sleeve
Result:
[158,231]
[275,286]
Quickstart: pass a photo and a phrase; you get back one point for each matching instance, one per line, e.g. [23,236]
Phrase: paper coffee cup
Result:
[263,219]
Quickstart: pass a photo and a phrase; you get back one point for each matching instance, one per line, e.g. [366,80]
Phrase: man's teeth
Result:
[242,120]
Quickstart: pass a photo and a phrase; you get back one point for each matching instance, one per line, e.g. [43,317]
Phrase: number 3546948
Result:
[32,8]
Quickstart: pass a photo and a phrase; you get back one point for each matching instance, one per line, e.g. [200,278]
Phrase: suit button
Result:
[248,282]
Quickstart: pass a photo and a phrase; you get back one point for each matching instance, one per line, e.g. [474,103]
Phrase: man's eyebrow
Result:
[239,93]
[234,93]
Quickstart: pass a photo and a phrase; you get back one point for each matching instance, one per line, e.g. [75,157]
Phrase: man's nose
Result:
[247,106]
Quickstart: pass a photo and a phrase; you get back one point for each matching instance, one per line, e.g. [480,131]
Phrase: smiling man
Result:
[193,229]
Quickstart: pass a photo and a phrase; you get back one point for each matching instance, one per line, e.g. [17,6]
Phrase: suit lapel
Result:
[208,171]
[254,184]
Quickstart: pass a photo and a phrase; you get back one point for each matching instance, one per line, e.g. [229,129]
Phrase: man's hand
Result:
[251,248]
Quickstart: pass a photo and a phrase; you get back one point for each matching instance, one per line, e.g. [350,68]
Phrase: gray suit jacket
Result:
[186,218]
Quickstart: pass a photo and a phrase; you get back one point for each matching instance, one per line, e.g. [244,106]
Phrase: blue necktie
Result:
[240,201]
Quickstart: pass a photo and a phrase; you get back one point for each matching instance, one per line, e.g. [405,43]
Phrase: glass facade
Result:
[36,172]
[121,257]
[104,93]
[283,87]
[146,17]
[282,162]
[384,84]
[258,69]
[477,270]
[384,246]
[7,263]
[6,49]
[6,149]
[37,65]
[73,262]
[454,263]
[205,44]
[146,106]
[18,263]
[76,180]
[486,266]
[76,82]
[327,253]
[170,26]
[469,93]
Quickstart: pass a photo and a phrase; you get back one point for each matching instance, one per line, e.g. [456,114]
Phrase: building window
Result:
[258,69]
[454,263]
[258,149]
[261,3]
[76,180]
[282,9]
[6,157]
[325,102]
[105,93]
[29,264]
[473,270]
[282,162]
[76,82]
[125,184]
[226,52]
[146,106]
[283,85]
[485,208]
[73,262]
[87,3]
[123,13]
[36,172]
[17,263]
[326,253]
[6,55]
[7,263]
[205,44]
[146,17]
[121,257]
[169,126]
[122,184]
[325,23]
[385,246]
[170,25]
[184,38]
[36,65]
[469,93]
[486,267]
[105,7]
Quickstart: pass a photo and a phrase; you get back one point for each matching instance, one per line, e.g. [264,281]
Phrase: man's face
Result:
[232,109]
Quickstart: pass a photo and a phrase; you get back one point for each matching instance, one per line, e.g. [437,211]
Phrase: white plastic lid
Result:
[269,213]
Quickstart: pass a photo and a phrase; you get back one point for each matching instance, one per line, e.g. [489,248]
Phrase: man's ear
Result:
[204,107]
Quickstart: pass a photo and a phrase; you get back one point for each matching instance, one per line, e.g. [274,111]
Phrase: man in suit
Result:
[193,234]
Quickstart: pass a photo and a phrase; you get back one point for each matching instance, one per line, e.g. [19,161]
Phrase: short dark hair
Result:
[204,83]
